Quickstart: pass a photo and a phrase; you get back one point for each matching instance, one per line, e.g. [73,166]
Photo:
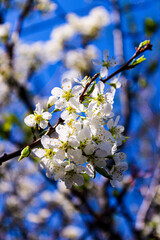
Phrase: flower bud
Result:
[51,101]
[25,153]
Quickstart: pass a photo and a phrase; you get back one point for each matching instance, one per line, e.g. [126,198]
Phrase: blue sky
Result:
[38,28]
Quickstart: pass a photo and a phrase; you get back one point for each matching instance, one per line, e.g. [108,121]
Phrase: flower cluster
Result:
[89,138]
[45,5]
[91,24]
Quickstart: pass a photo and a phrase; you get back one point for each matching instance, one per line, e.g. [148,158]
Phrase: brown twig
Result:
[13,83]
[126,66]
[81,98]
[10,47]
[50,130]
[24,13]
[149,196]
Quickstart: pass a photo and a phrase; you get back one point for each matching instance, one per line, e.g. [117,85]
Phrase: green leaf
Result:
[91,89]
[112,84]
[153,65]
[125,140]
[56,110]
[42,133]
[103,172]
[25,153]
[142,44]
[142,82]
[135,62]
[150,26]
[8,122]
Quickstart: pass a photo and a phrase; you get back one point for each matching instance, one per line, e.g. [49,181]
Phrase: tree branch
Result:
[5,157]
[151,192]
[81,98]
[24,13]
[13,83]
[126,66]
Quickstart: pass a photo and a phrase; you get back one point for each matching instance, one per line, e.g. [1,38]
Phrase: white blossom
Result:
[72,232]
[45,5]
[39,117]
[65,93]
[116,129]
[116,172]
[105,63]
[91,24]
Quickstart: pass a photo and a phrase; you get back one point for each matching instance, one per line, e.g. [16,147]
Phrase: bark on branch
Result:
[5,157]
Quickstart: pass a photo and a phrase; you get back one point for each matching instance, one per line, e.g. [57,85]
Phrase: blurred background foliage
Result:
[41,42]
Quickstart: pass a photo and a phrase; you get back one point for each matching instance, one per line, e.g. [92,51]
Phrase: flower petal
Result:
[52,100]
[96,62]
[78,179]
[46,115]
[101,162]
[68,183]
[65,115]
[57,92]
[76,90]
[117,120]
[39,152]
[121,156]
[43,124]
[66,84]
[89,149]
[30,120]
[107,109]
[110,124]
[105,55]
[60,155]
[90,170]
[45,141]
[103,72]
[39,108]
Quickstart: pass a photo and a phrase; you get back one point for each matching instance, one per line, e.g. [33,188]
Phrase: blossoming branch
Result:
[89,136]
